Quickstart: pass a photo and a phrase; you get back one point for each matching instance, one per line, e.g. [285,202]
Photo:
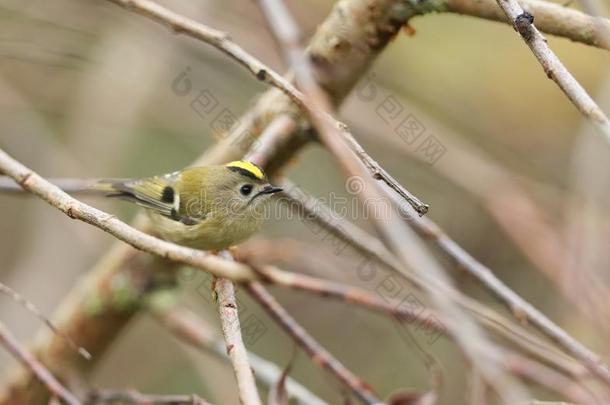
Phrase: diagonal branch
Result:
[523,22]
[41,373]
[552,18]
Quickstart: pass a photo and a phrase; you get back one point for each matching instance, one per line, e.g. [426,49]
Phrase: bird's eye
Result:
[246,189]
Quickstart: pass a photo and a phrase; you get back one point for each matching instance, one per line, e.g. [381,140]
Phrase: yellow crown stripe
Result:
[249,167]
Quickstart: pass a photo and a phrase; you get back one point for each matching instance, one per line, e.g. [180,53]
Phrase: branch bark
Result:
[39,370]
[523,22]
[552,18]
[227,308]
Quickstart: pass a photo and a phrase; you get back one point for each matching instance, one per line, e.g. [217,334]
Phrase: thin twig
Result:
[551,379]
[552,18]
[288,36]
[4,289]
[41,373]
[191,329]
[318,353]
[231,330]
[218,39]
[523,22]
[102,396]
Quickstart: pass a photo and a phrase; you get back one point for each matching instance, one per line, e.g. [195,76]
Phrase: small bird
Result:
[208,208]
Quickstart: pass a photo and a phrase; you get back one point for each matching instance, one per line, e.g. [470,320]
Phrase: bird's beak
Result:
[270,190]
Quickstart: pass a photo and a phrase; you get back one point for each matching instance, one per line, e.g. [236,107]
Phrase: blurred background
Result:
[86,91]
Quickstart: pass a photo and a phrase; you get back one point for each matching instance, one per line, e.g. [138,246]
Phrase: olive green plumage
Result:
[209,208]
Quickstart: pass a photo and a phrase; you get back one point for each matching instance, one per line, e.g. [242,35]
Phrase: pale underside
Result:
[213,233]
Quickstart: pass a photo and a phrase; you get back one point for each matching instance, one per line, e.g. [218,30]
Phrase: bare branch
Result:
[346,293]
[522,309]
[227,309]
[32,308]
[523,22]
[218,39]
[510,204]
[551,379]
[41,373]
[552,18]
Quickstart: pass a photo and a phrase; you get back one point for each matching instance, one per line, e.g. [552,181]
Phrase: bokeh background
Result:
[86,91]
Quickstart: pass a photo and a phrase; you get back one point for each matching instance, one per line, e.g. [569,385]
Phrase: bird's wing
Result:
[156,193]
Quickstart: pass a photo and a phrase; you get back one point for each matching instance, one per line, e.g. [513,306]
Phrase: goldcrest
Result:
[208,208]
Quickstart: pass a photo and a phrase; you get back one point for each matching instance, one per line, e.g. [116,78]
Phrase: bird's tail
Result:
[109,186]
